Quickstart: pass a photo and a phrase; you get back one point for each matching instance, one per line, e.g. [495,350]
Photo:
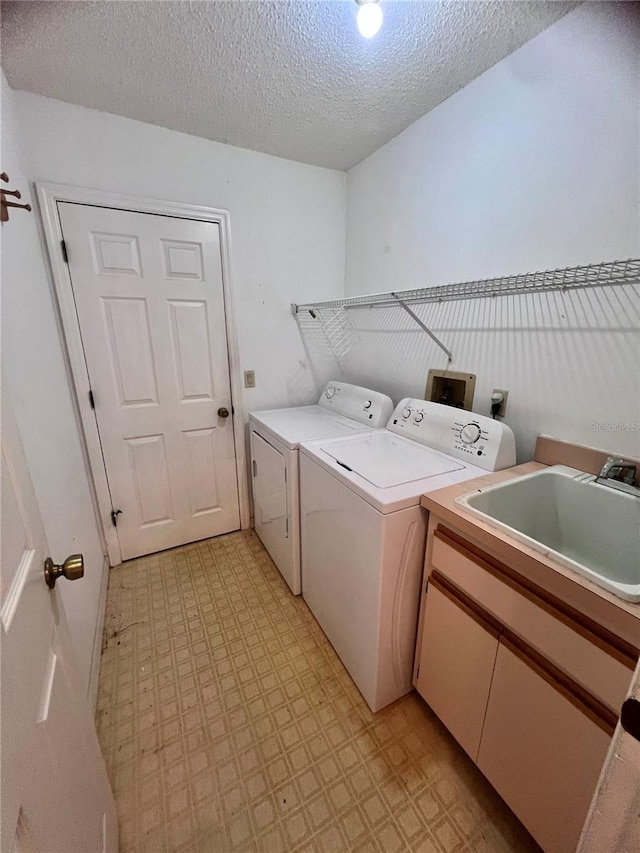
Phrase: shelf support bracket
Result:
[417,319]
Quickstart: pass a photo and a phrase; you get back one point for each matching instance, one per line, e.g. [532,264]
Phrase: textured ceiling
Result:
[288,77]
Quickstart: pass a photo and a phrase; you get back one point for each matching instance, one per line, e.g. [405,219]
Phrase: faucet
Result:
[619,474]
[613,467]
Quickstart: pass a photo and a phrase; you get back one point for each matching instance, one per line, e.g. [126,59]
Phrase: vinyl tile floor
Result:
[228,723]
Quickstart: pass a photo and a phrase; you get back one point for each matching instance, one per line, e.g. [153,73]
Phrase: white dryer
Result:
[342,409]
[363,531]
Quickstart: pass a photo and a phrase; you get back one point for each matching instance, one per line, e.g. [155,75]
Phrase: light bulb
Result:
[369,19]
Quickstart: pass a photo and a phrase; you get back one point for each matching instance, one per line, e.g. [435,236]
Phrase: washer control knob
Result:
[418,417]
[470,433]
[329,391]
[367,405]
[407,413]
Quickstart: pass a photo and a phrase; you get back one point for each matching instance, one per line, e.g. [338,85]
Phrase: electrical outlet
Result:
[503,405]
[249,379]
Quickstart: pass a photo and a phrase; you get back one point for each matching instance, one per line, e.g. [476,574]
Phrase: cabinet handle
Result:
[560,681]
[470,607]
[611,643]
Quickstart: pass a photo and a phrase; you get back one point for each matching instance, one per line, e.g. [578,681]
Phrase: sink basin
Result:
[560,512]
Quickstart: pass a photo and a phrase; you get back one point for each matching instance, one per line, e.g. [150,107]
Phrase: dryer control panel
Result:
[361,404]
[477,439]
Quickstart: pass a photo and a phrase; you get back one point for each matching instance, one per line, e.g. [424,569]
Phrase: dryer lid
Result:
[387,460]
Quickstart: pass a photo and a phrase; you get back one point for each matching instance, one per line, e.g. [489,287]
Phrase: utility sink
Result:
[563,513]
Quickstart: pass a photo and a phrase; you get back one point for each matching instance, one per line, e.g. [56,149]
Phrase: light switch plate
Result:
[249,379]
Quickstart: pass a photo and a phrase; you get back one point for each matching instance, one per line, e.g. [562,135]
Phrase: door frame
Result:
[48,197]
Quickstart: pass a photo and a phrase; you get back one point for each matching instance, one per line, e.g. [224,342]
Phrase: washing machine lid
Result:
[386,460]
[306,423]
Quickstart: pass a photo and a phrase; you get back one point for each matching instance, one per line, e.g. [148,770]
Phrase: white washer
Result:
[341,410]
[363,531]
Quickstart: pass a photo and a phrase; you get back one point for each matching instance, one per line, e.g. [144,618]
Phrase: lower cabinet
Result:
[456,664]
[541,749]
[538,735]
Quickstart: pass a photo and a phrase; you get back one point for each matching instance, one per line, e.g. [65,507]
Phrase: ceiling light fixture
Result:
[369,17]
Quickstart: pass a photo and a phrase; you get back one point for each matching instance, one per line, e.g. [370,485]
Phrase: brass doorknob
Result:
[222,412]
[72,569]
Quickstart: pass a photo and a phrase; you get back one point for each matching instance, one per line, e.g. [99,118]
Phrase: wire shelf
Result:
[606,274]
[327,329]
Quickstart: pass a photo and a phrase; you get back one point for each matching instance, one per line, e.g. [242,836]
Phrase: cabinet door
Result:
[541,749]
[457,656]
[597,659]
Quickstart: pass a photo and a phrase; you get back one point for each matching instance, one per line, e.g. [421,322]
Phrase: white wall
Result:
[33,363]
[533,165]
[287,220]
[287,245]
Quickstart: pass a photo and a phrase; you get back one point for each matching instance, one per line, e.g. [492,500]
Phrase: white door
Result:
[149,299]
[55,792]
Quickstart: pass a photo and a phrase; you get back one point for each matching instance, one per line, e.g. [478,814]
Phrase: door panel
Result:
[182,260]
[148,460]
[15,538]
[191,346]
[149,299]
[270,499]
[130,353]
[201,450]
[55,793]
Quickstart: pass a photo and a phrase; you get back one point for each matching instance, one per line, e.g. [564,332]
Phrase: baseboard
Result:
[97,638]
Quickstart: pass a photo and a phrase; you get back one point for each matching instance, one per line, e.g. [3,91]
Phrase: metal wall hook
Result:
[4,204]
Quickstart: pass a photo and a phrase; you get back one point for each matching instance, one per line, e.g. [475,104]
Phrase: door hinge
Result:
[114,516]
[65,254]
[92,401]
[254,466]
